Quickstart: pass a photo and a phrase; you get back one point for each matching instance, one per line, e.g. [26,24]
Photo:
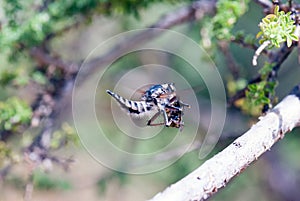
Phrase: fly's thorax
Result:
[157,90]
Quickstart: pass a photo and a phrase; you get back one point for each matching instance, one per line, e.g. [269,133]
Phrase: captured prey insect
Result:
[160,98]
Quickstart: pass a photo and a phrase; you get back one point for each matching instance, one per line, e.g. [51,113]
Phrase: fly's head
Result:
[175,119]
[175,114]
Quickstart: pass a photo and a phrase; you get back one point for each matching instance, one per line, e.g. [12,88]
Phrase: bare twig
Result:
[232,65]
[4,171]
[29,188]
[259,51]
[264,3]
[216,172]
[38,150]
[241,41]
[44,58]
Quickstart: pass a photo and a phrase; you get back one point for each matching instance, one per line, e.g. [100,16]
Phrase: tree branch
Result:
[216,172]
[44,58]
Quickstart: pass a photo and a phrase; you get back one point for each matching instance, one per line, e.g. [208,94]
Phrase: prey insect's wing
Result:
[144,88]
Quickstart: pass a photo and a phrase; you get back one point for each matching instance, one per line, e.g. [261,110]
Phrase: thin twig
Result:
[232,65]
[29,188]
[264,3]
[4,171]
[259,51]
[44,58]
[241,41]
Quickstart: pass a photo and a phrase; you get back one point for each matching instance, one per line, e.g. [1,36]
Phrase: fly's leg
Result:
[167,122]
[181,126]
[156,124]
[174,99]
[173,108]
[153,118]
[184,104]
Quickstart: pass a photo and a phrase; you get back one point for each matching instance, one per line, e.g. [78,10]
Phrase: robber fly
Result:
[160,98]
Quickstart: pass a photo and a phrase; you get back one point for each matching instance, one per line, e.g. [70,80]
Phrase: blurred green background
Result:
[275,176]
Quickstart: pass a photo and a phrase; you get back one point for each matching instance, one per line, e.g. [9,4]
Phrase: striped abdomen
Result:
[133,107]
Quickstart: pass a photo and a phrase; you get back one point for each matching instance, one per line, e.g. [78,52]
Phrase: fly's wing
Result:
[143,92]
[196,89]
[140,92]
[144,88]
[183,92]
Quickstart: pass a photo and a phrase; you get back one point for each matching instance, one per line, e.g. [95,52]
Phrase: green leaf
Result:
[264,100]
[294,37]
[7,125]
[277,28]
[276,10]
[39,77]
[14,112]
[252,87]
[44,182]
